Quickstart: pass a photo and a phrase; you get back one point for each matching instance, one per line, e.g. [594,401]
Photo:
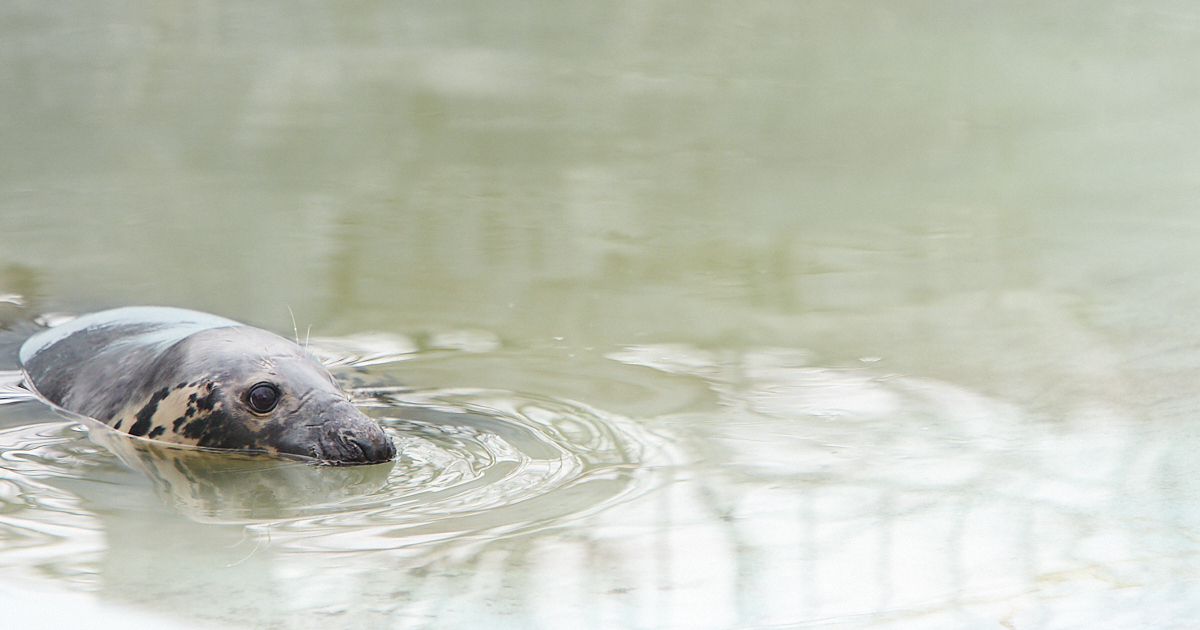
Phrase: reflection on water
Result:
[475,467]
[48,531]
[926,505]
[685,315]
[799,495]
[473,462]
[228,487]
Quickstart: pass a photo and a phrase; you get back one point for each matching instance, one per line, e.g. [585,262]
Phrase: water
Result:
[767,315]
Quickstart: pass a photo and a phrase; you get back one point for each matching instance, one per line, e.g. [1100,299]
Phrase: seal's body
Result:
[185,377]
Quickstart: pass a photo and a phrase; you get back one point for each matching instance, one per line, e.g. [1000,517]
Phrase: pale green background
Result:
[1000,197]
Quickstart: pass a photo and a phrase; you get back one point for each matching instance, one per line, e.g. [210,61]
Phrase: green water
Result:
[864,315]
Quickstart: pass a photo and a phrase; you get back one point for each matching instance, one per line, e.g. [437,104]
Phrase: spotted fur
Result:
[175,414]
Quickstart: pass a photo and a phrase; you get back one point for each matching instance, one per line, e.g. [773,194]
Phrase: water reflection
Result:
[485,464]
[225,487]
[564,229]
[476,467]
[796,494]
[46,530]
[845,493]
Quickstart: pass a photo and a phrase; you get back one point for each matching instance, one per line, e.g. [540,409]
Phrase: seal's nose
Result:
[355,440]
[374,448]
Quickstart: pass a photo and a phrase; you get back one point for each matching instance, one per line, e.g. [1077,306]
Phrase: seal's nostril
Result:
[357,444]
[375,448]
[354,449]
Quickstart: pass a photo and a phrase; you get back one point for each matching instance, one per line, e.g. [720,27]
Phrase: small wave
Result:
[361,350]
[482,462]
[470,461]
[11,388]
[44,526]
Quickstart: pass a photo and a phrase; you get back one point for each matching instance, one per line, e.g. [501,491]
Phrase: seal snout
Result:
[361,443]
[347,436]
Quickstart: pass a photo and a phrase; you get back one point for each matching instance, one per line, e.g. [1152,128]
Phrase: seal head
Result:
[174,376]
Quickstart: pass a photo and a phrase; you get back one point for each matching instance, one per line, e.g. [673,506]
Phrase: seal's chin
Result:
[339,434]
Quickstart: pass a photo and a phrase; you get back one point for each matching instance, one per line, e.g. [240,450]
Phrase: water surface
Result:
[766,315]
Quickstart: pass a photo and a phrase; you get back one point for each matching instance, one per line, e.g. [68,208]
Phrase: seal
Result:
[191,378]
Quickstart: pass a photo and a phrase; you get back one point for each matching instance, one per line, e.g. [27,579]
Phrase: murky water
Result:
[759,315]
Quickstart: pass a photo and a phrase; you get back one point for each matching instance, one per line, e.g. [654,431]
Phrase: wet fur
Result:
[191,390]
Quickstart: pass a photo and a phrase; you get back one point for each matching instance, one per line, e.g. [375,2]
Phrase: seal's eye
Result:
[263,397]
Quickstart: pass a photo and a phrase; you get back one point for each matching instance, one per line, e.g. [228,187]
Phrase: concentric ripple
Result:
[479,461]
[470,461]
[483,450]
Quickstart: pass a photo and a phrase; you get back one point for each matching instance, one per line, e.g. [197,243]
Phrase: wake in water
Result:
[470,460]
[11,388]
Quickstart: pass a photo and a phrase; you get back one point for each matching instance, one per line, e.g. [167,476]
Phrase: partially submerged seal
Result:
[191,378]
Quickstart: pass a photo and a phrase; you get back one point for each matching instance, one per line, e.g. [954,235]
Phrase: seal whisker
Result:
[245,535]
[294,329]
[257,545]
